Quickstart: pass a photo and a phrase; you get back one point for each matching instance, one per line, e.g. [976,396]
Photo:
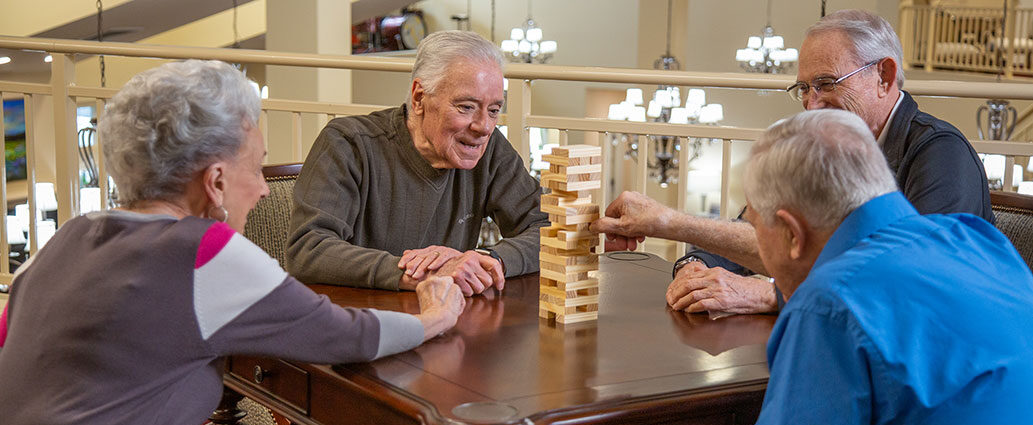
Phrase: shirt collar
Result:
[886,128]
[865,220]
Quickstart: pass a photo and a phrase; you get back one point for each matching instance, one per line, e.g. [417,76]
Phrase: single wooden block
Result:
[544,281]
[566,220]
[561,277]
[565,202]
[566,269]
[561,160]
[566,252]
[577,317]
[567,170]
[563,186]
[576,151]
[561,299]
[548,177]
[577,285]
[571,195]
[573,178]
[575,210]
[578,244]
[568,260]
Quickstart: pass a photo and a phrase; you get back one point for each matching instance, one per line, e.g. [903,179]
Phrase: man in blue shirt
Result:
[892,317]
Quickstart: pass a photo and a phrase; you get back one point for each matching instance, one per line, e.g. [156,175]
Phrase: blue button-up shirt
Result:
[906,319]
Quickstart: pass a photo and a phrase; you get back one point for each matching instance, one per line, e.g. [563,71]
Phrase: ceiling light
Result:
[4,59]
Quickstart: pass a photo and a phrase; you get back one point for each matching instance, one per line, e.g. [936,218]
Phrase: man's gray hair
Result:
[442,48]
[822,163]
[168,123]
[873,38]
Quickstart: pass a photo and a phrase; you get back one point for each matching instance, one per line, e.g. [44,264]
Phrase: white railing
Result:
[968,39]
[519,117]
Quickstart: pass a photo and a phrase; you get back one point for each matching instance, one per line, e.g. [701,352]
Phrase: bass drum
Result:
[404,31]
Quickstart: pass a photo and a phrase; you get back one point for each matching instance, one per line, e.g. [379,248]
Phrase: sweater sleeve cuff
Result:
[512,260]
[387,275]
[398,332]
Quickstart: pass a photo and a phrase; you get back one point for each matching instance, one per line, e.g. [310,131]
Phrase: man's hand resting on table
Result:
[471,271]
[698,288]
[440,305]
[417,263]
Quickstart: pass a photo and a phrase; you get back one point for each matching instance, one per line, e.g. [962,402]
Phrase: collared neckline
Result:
[889,120]
[416,161]
[862,222]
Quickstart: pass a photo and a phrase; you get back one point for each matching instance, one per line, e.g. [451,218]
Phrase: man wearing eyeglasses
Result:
[849,60]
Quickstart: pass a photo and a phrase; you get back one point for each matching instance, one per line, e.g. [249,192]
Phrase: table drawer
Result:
[280,379]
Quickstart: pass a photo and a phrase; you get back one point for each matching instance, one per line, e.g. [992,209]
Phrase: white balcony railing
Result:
[520,118]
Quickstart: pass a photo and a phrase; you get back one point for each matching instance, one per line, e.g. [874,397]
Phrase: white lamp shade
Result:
[741,55]
[679,116]
[634,96]
[48,59]
[21,215]
[757,56]
[753,42]
[675,96]
[1016,175]
[663,98]
[549,46]
[692,110]
[638,114]
[994,166]
[654,109]
[44,231]
[524,46]
[89,199]
[1025,188]
[510,45]
[534,34]
[711,113]
[626,109]
[774,42]
[15,234]
[516,34]
[696,97]
[616,112]
[46,199]
[792,55]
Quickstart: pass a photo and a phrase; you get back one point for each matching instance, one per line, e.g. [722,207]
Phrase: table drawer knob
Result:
[260,374]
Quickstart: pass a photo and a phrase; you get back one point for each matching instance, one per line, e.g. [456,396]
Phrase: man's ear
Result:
[418,94]
[214,180]
[795,233]
[887,75]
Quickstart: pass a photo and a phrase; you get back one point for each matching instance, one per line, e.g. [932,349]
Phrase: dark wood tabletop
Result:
[640,362]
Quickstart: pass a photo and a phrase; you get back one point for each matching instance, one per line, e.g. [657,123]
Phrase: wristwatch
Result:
[681,263]
[491,253]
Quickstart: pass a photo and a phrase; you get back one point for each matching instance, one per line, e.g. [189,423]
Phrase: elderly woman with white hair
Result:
[123,317]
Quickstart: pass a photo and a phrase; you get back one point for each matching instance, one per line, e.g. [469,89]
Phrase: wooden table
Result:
[640,362]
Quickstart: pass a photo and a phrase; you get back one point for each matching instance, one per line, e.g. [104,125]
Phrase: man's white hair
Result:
[873,38]
[823,164]
[443,48]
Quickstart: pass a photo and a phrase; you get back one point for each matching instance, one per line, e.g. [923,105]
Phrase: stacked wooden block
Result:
[567,292]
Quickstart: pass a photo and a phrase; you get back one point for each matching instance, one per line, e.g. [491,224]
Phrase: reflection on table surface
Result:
[501,353]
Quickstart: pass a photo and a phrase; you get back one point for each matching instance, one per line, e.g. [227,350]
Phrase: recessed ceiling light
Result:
[48,59]
[4,59]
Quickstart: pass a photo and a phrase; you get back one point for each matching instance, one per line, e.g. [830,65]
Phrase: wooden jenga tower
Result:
[567,292]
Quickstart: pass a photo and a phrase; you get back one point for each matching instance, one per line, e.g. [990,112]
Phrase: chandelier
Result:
[665,107]
[767,53]
[525,44]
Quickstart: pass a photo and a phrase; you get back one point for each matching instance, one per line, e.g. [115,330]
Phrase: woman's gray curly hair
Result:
[171,122]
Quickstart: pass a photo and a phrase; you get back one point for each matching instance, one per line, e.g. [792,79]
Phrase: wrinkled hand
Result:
[417,262]
[440,305]
[629,219]
[698,288]
[473,272]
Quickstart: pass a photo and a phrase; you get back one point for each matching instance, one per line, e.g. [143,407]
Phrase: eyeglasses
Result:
[822,85]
